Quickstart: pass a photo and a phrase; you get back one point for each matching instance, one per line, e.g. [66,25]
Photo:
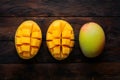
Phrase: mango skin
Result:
[91,39]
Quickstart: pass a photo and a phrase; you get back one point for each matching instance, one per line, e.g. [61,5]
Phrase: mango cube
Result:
[56,41]
[50,44]
[25,48]
[35,42]
[72,37]
[56,50]
[65,50]
[27,25]
[19,49]
[50,37]
[26,32]
[66,42]
[36,35]
[57,34]
[18,41]
[71,43]
[19,33]
[25,39]
[34,51]
[35,28]
[65,34]
[26,54]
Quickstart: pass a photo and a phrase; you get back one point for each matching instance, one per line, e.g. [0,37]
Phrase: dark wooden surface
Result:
[59,8]
[43,66]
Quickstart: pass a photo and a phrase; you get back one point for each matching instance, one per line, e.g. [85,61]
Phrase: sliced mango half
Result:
[28,39]
[60,39]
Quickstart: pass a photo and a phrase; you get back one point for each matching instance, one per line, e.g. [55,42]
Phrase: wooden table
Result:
[43,66]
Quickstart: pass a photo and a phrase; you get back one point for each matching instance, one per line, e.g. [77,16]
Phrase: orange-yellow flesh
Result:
[60,39]
[28,39]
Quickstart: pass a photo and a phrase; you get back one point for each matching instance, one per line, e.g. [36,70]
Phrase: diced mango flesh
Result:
[50,37]
[65,49]
[34,51]
[56,41]
[26,32]
[19,49]
[25,48]
[50,44]
[65,34]
[60,39]
[57,34]
[36,35]
[18,41]
[56,50]
[25,40]
[28,39]
[66,42]
[35,42]
[26,54]
[71,44]
[19,33]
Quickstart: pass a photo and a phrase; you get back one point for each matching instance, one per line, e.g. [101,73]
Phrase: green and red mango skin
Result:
[91,39]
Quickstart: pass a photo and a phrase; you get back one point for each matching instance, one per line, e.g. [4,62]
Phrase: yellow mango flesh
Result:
[92,39]
[28,39]
[60,39]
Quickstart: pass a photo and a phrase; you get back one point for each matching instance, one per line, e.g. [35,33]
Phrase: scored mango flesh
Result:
[28,39]
[60,39]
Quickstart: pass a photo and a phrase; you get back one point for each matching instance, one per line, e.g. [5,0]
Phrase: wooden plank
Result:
[43,66]
[9,25]
[60,71]
[42,72]
[106,71]
[59,8]
[107,77]
[110,25]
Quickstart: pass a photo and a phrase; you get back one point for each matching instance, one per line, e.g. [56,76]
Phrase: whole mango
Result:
[91,39]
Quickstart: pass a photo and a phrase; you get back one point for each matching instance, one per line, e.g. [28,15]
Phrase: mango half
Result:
[91,39]
[28,39]
[60,39]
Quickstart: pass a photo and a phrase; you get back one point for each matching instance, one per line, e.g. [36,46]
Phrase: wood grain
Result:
[110,52]
[43,66]
[54,71]
[59,8]
[42,71]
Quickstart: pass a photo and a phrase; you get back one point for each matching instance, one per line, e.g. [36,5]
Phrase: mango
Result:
[60,39]
[28,39]
[91,39]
